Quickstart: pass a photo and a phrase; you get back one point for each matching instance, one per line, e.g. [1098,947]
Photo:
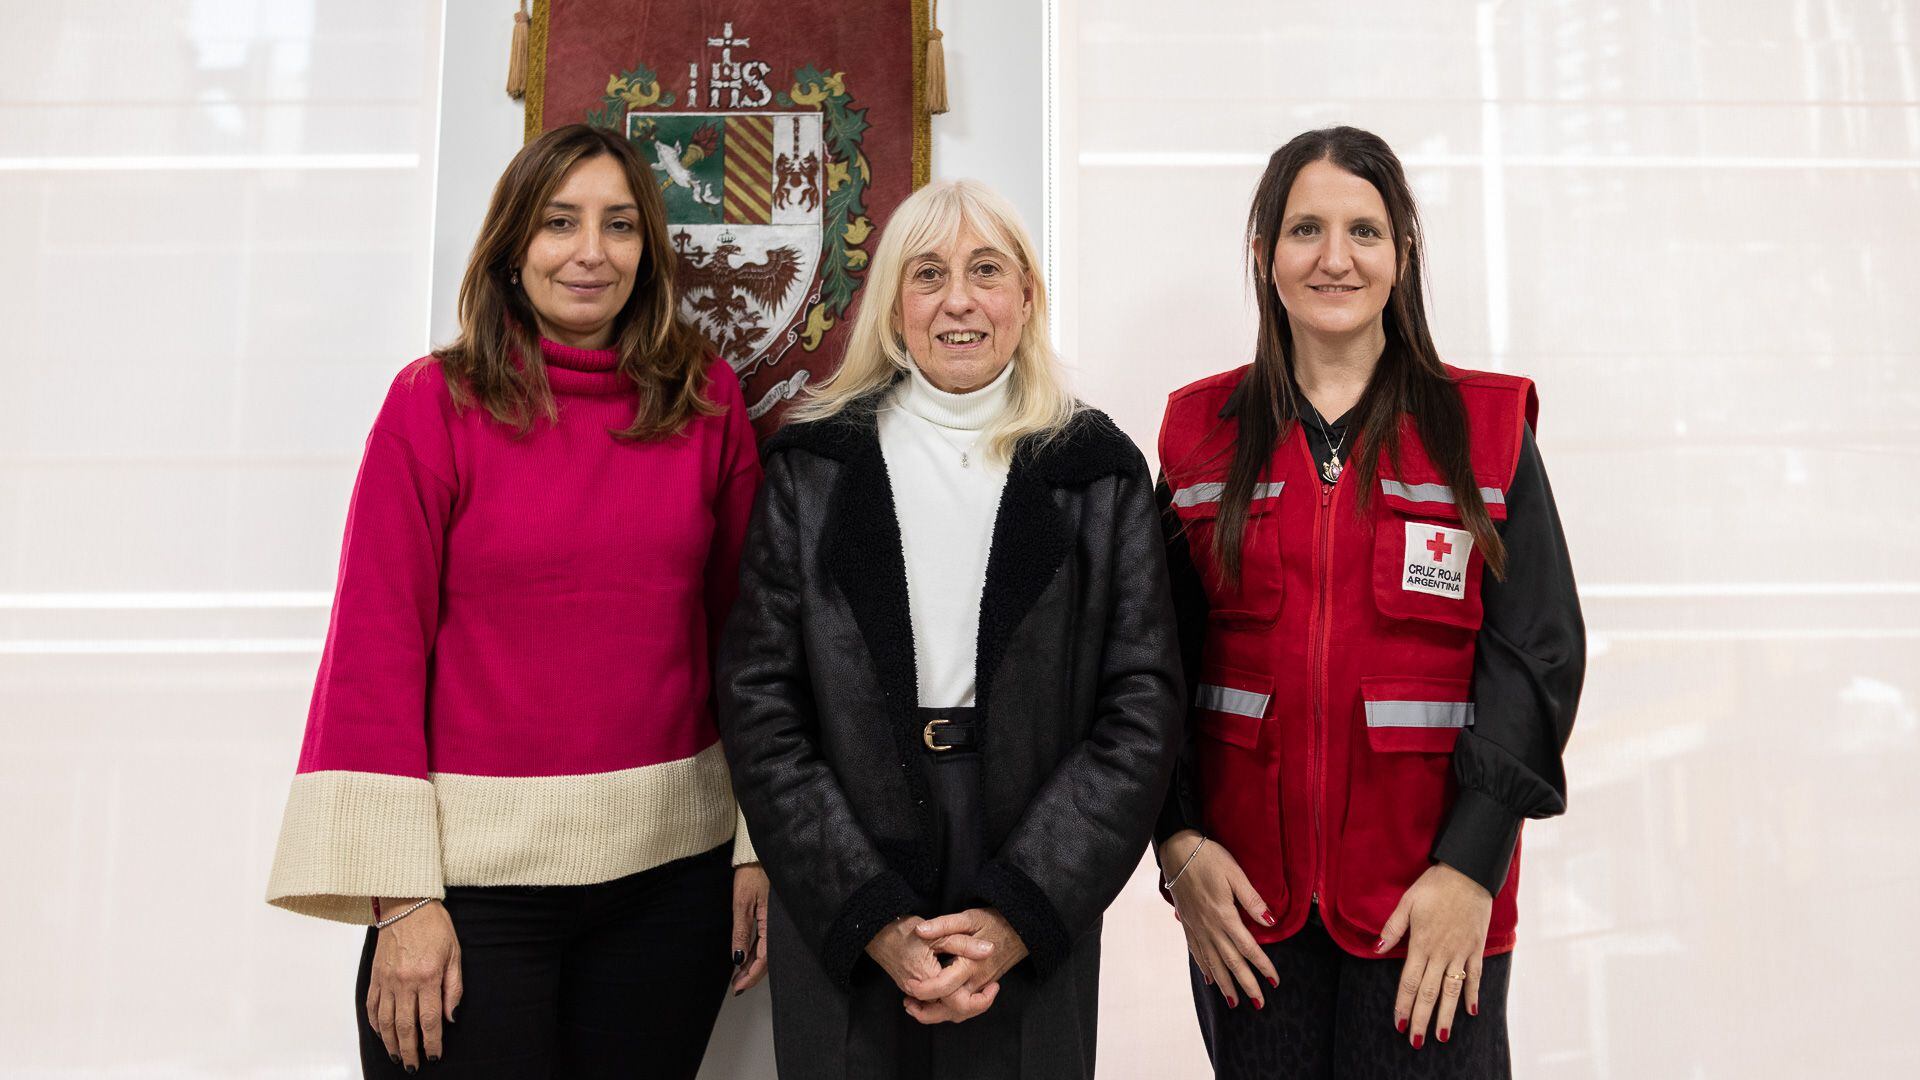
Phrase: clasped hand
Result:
[949,968]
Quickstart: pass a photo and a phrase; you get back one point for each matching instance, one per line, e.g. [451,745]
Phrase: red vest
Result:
[1337,674]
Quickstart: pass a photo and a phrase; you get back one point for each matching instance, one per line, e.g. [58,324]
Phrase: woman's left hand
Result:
[1447,912]
[749,926]
[959,935]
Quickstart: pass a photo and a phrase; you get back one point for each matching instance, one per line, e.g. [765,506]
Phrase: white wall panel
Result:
[216,217]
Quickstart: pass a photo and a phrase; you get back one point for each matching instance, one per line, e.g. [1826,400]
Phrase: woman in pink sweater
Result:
[511,768]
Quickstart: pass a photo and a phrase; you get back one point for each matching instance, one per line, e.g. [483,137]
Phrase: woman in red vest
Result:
[1385,644]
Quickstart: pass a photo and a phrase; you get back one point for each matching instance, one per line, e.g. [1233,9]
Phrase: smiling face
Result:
[963,307]
[1335,261]
[579,269]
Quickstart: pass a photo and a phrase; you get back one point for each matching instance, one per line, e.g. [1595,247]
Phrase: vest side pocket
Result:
[1238,750]
[1400,788]
[1414,714]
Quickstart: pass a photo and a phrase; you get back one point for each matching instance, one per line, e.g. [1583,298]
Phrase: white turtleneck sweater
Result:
[946,511]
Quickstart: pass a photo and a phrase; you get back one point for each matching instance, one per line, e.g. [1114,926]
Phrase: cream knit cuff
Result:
[743,852]
[350,836]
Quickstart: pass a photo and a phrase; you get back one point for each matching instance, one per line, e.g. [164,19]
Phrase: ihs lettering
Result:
[744,82]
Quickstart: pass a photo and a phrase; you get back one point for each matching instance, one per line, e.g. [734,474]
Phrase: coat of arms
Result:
[766,203]
[745,213]
[781,136]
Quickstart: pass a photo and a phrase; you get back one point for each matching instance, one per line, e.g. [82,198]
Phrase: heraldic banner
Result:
[782,134]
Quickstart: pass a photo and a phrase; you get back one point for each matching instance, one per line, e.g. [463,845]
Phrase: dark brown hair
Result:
[665,358]
[1409,379]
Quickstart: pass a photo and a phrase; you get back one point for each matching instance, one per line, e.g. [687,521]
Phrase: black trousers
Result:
[1332,1019]
[623,978]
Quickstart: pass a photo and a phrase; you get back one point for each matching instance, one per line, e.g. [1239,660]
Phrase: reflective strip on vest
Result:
[1420,714]
[1226,699]
[1195,494]
[1438,493]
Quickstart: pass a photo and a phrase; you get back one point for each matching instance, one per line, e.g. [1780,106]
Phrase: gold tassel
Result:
[517,58]
[936,66]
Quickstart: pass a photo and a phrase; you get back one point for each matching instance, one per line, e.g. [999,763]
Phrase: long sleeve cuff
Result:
[743,852]
[350,836]
[1002,886]
[1176,814]
[885,897]
[1478,839]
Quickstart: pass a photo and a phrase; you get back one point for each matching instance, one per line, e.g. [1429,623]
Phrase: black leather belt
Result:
[942,733]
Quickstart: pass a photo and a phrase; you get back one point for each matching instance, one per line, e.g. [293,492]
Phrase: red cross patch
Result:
[1436,560]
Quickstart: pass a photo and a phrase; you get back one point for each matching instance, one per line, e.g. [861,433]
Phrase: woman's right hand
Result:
[1208,899]
[415,981]
[914,965]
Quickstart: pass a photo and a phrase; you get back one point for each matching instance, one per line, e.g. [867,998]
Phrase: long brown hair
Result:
[665,358]
[1408,380]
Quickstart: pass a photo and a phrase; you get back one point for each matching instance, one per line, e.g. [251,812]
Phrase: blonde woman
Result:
[950,690]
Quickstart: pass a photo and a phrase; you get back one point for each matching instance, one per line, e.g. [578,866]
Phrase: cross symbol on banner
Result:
[727,40]
[1439,546]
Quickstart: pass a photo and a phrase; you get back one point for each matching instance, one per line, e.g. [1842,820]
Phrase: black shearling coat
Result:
[1078,688]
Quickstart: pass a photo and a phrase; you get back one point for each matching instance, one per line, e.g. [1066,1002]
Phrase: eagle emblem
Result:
[728,296]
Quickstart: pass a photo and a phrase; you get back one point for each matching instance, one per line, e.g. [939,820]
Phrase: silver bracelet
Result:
[382,924]
[1169,883]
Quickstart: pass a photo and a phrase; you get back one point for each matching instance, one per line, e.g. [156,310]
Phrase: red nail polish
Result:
[1417,1040]
[1275,983]
[1400,1025]
[1442,1033]
[1473,1008]
[1267,917]
[1259,1004]
[1233,1003]
[1380,946]
[1207,978]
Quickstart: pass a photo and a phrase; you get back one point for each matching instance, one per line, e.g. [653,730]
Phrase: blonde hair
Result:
[1039,405]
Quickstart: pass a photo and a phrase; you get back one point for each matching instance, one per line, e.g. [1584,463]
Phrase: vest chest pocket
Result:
[1255,598]
[1426,564]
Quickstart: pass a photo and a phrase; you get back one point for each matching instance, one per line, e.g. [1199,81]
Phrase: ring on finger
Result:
[1458,976]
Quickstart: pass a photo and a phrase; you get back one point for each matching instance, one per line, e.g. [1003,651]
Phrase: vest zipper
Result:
[1322,630]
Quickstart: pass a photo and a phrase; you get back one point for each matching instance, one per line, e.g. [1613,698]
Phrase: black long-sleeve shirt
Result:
[1529,662]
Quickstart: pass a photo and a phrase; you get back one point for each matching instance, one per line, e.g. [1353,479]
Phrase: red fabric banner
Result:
[782,134]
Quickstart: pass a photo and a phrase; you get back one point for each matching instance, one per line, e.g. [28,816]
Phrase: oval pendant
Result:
[1331,470]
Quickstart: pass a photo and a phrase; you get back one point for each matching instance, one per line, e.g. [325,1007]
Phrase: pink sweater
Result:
[515,687]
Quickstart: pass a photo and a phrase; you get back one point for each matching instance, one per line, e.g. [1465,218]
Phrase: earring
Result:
[516,276]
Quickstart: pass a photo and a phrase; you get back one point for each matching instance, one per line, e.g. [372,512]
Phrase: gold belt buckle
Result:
[926,734]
